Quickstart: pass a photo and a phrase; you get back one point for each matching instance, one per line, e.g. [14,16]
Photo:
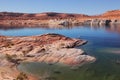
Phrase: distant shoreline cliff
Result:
[52,18]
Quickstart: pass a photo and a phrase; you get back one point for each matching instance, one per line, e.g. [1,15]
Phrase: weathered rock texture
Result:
[51,48]
[8,70]
[48,48]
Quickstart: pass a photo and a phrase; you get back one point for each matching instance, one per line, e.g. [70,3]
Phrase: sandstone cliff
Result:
[55,19]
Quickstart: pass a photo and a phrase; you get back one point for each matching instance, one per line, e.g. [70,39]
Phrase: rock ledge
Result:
[48,48]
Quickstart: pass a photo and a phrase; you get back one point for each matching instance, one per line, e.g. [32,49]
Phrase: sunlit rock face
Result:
[49,48]
[53,18]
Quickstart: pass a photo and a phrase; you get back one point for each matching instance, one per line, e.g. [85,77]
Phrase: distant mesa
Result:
[45,14]
[55,19]
[55,14]
[112,13]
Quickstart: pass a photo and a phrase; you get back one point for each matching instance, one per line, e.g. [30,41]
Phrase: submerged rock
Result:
[48,48]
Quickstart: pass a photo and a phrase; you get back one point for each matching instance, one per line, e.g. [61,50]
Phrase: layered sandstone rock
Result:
[51,48]
[8,70]
[52,18]
[48,48]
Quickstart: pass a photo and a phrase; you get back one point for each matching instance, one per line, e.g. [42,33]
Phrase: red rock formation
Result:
[113,13]
[48,48]
[25,19]
[40,16]
[38,46]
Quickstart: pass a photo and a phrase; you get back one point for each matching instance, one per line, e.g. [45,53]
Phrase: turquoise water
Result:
[103,43]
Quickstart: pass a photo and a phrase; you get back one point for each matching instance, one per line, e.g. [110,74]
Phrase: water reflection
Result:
[110,28]
[7,27]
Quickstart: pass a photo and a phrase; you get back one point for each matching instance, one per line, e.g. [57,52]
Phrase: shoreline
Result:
[57,24]
[58,19]
[49,48]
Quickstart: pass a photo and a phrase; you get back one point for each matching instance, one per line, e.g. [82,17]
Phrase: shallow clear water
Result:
[103,43]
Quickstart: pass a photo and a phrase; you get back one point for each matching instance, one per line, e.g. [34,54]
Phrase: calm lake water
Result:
[103,43]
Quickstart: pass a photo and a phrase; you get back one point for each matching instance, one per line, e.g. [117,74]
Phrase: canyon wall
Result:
[52,18]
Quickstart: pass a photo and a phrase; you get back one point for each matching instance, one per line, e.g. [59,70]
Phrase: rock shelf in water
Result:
[48,48]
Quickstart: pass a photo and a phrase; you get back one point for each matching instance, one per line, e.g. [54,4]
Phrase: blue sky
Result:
[91,7]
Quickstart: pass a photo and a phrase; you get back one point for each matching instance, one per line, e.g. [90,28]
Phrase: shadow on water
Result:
[103,43]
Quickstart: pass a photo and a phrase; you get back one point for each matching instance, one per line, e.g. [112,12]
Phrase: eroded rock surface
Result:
[48,48]
[45,48]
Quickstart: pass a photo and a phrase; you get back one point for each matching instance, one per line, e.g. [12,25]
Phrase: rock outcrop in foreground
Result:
[48,48]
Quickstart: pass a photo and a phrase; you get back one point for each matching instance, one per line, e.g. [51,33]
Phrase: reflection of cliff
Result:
[110,28]
[7,27]
[114,28]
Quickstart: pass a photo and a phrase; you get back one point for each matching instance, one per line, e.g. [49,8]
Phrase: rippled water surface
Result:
[103,43]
